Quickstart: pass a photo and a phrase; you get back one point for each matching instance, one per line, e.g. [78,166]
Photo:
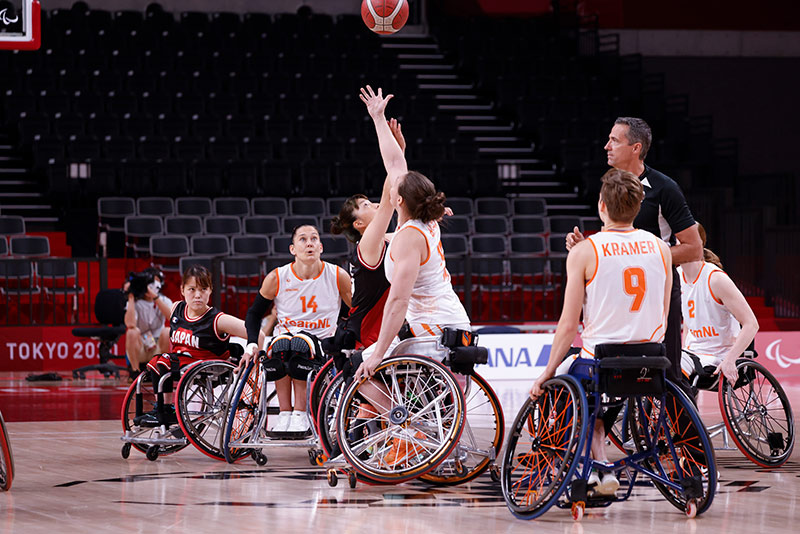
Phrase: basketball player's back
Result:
[624,300]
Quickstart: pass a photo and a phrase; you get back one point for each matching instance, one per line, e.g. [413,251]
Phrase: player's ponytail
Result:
[421,198]
[710,257]
[343,223]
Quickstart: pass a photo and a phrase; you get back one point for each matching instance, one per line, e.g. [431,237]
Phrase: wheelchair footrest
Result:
[165,440]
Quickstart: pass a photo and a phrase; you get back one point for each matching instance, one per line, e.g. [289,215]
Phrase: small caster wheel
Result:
[577,510]
[352,479]
[494,473]
[461,471]
[332,478]
[260,458]
[691,508]
[152,453]
[126,450]
[312,457]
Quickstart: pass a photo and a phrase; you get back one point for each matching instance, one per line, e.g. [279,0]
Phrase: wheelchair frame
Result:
[645,461]
[454,468]
[164,439]
[6,457]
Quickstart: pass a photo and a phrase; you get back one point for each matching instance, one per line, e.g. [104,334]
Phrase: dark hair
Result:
[200,274]
[638,132]
[296,228]
[622,193]
[343,223]
[421,198]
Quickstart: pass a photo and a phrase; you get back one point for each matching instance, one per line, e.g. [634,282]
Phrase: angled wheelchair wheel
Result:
[758,415]
[203,394]
[322,379]
[544,447]
[6,458]
[140,399]
[326,415]
[403,422]
[693,466]
[480,441]
[245,412]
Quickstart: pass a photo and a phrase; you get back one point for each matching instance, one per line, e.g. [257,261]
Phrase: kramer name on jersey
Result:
[185,338]
[628,249]
[309,325]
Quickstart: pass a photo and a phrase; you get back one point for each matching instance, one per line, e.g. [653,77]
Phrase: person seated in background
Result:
[145,313]
[718,322]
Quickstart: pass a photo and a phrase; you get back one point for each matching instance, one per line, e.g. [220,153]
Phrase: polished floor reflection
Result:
[70,477]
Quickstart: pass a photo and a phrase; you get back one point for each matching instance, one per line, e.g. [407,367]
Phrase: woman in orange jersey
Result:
[307,295]
[713,310]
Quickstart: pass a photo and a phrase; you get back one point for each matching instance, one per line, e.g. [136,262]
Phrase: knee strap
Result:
[278,352]
[305,357]
[174,370]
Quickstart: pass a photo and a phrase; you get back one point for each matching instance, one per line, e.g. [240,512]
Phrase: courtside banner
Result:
[779,352]
[515,356]
[48,348]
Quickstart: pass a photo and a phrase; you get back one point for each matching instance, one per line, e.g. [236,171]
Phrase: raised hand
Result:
[397,132]
[376,103]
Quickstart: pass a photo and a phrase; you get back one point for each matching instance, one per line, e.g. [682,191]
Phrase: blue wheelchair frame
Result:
[687,492]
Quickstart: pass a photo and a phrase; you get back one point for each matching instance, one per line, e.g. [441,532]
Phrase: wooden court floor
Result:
[70,477]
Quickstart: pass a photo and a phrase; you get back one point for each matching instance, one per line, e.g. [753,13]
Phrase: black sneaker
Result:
[150,419]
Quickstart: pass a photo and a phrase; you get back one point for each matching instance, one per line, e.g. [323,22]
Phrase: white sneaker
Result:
[608,484]
[594,478]
[299,423]
[281,422]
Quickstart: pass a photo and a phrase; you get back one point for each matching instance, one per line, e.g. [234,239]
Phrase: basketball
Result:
[384,16]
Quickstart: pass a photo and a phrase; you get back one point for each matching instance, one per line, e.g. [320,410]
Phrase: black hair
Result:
[343,223]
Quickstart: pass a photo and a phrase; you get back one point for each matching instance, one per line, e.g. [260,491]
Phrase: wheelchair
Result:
[756,413]
[451,428]
[6,458]
[246,419]
[547,458]
[200,398]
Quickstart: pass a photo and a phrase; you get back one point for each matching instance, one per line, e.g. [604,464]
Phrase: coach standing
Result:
[664,213]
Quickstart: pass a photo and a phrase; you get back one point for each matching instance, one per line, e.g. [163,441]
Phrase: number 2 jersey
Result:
[624,300]
[711,329]
[311,305]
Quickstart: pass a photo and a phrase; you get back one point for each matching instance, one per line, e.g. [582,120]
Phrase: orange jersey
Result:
[311,305]
[624,300]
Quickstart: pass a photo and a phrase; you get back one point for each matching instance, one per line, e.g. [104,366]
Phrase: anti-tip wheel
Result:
[494,473]
[152,453]
[332,478]
[352,479]
[577,510]
[126,450]
[312,457]
[691,508]
[260,458]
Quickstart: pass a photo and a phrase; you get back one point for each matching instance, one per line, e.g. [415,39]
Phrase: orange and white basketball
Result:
[384,16]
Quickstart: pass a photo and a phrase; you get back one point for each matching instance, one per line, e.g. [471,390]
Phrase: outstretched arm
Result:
[393,158]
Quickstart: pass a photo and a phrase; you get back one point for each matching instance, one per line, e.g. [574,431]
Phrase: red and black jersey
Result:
[198,337]
[369,297]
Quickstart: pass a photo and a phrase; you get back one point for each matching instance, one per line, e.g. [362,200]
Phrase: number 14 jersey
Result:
[624,299]
[311,305]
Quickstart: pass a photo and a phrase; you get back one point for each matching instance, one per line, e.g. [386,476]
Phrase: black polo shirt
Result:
[664,211]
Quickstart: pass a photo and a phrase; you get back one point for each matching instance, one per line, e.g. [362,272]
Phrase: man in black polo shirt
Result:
[664,213]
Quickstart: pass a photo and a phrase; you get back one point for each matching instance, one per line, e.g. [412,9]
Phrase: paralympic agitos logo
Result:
[774,353]
[4,17]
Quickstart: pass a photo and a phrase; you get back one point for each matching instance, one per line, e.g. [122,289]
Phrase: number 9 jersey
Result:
[311,305]
[624,301]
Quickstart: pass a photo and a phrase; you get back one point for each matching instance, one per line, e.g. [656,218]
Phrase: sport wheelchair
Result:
[547,458]
[6,458]
[201,398]
[245,430]
[449,429]
[756,413]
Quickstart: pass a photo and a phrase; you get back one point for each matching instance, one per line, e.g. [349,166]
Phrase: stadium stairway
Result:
[521,173]
[19,193]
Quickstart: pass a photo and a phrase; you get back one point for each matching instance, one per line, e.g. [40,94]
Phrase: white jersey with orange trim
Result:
[711,329]
[311,305]
[624,301]
[433,302]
